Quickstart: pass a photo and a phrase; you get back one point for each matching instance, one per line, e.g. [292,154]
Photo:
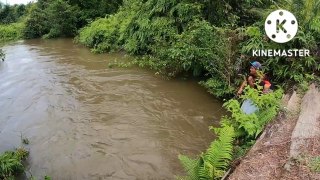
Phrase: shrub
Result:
[11,31]
[50,20]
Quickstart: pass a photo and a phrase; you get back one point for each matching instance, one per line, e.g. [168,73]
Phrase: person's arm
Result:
[244,83]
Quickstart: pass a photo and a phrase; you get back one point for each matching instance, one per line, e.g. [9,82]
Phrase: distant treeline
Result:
[12,14]
[53,18]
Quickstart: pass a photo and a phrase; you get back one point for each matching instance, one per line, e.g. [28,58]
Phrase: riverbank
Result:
[288,147]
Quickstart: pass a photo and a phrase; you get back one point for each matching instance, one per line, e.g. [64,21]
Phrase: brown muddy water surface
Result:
[87,121]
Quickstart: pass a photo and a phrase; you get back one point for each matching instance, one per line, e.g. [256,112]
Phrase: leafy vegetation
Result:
[62,18]
[11,31]
[11,163]
[50,19]
[216,159]
[237,133]
[284,70]
[12,21]
[11,14]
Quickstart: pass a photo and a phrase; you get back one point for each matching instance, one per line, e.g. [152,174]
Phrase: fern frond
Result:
[191,166]
[219,154]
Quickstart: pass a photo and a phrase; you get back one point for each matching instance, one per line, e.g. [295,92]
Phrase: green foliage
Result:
[191,167]
[213,163]
[240,126]
[249,126]
[307,13]
[196,37]
[11,14]
[36,23]
[11,31]
[139,27]
[217,87]
[223,66]
[62,18]
[51,19]
[101,35]
[241,150]
[314,164]
[11,163]
[294,69]
[219,153]
[173,39]
[187,52]
[47,178]
[233,12]
[90,10]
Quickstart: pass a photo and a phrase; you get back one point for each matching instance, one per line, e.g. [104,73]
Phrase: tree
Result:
[62,18]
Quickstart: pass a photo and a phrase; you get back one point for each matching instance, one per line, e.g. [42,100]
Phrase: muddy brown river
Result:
[85,120]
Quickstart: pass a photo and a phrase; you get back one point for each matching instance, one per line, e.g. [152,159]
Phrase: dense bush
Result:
[90,10]
[62,18]
[11,31]
[51,19]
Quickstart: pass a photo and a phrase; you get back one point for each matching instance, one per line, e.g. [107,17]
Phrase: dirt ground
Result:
[271,157]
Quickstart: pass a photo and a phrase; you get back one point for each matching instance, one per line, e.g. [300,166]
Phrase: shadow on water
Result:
[87,121]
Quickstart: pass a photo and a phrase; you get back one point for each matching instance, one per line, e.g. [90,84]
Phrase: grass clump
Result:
[11,163]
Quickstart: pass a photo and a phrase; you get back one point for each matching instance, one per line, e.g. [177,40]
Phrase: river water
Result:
[85,120]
